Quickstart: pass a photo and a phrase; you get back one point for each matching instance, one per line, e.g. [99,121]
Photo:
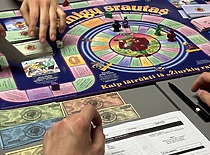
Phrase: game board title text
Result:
[89,13]
[146,8]
[169,73]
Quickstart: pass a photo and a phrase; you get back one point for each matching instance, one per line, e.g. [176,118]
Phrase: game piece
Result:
[108,14]
[160,68]
[158,30]
[65,3]
[55,86]
[171,36]
[116,26]
[59,44]
[125,23]
[84,39]
[96,65]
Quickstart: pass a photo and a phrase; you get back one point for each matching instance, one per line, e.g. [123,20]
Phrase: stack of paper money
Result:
[28,124]
[202,24]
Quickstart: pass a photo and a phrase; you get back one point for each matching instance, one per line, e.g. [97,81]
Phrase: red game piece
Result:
[171,36]
[65,3]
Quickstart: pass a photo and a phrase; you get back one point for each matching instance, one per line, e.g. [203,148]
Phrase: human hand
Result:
[202,86]
[47,11]
[75,135]
[2,31]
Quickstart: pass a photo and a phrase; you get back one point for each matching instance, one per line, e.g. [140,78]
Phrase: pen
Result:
[195,107]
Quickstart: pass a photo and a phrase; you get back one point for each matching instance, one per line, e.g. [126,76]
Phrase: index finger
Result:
[202,80]
[91,114]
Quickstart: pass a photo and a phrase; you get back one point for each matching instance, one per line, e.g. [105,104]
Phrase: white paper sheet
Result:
[167,134]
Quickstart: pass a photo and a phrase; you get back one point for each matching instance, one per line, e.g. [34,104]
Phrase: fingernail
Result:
[199,92]
[53,37]
[32,33]
[62,30]
[43,40]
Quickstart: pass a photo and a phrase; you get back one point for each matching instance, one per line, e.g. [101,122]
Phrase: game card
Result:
[15,24]
[33,47]
[20,35]
[178,3]
[41,66]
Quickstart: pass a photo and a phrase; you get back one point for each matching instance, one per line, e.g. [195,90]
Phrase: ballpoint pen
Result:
[195,107]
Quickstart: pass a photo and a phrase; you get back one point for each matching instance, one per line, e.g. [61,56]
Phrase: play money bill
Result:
[99,101]
[25,134]
[34,150]
[115,115]
[15,117]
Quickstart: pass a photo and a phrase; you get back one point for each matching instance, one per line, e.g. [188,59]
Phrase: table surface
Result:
[163,98]
[185,84]
[141,99]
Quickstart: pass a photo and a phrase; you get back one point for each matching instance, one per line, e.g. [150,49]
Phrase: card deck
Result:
[11,52]
[197,10]
[202,24]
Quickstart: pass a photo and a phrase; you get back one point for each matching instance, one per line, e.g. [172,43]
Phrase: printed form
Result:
[167,134]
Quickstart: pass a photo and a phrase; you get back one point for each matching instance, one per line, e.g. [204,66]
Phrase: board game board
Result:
[96,59]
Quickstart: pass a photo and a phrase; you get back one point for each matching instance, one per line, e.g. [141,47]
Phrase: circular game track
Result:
[104,47]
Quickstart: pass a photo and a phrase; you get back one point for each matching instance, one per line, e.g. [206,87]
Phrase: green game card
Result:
[198,39]
[84,83]
[20,35]
[3,61]
[7,84]
[7,14]
[79,5]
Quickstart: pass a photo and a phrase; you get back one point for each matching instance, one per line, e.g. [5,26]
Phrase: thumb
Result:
[204,96]
[98,137]
[2,31]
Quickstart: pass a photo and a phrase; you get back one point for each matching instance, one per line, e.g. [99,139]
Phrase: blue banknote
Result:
[25,134]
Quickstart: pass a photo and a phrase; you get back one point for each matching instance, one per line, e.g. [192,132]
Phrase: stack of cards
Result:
[34,49]
[17,53]
[202,24]
[19,46]
[179,3]
[197,10]
[17,36]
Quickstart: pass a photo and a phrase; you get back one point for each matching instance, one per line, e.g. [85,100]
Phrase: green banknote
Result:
[14,117]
